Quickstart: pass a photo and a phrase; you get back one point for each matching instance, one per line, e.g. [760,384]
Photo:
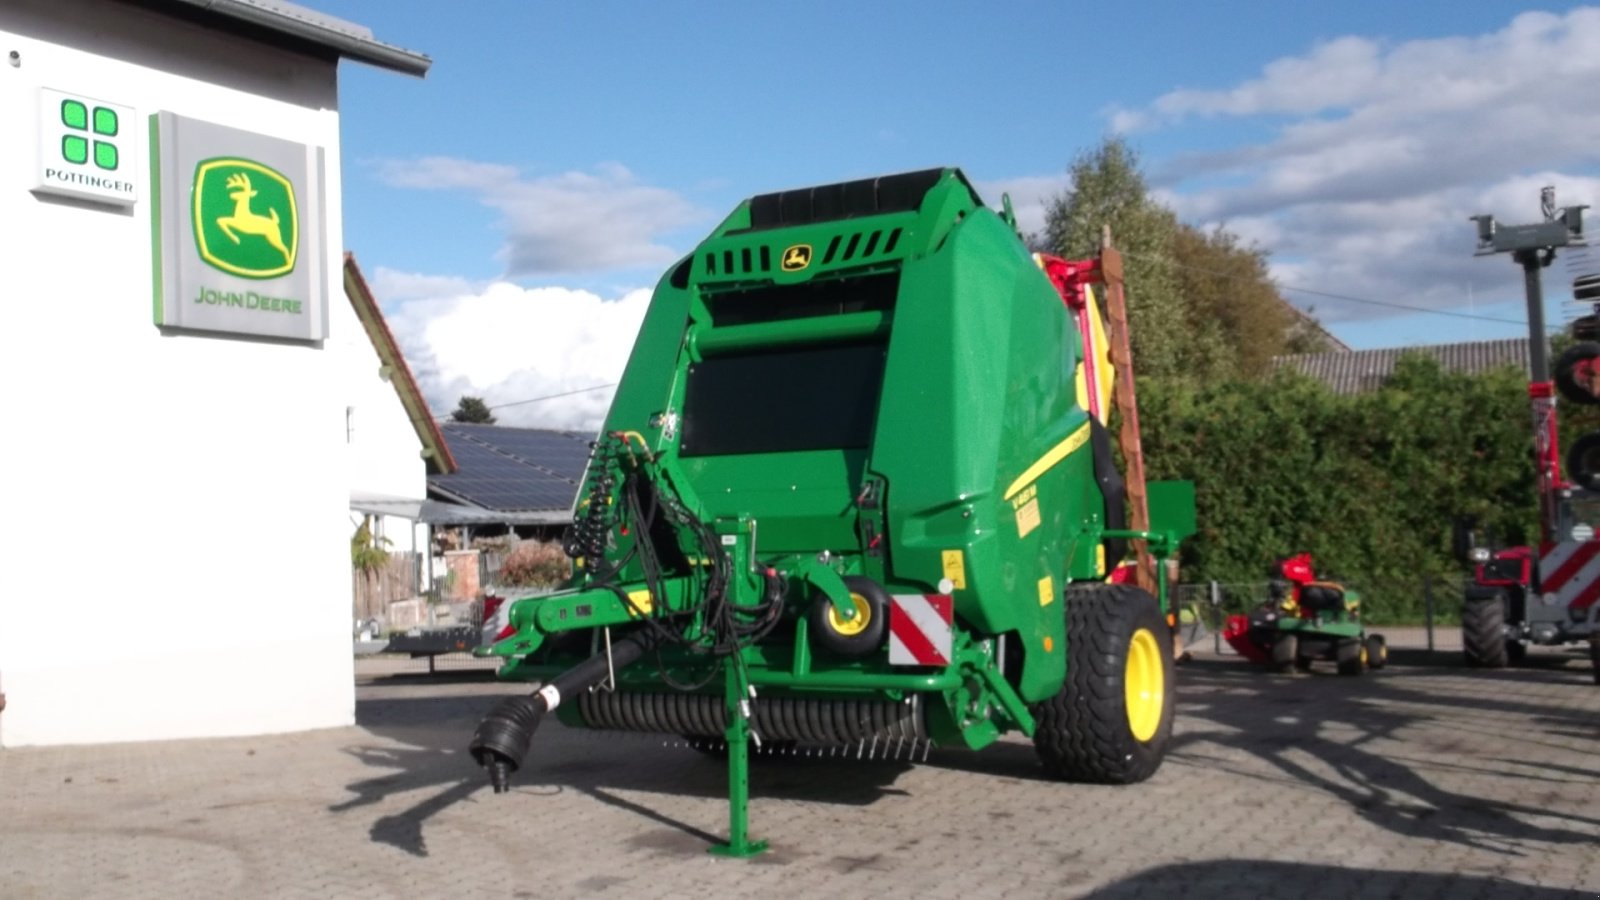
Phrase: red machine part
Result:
[1547,450]
[1072,278]
[1236,631]
[1570,571]
[1297,569]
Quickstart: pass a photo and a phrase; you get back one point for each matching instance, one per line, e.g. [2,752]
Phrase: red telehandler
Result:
[1548,594]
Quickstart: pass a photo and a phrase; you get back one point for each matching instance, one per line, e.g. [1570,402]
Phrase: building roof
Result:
[434,448]
[1307,320]
[291,20]
[1359,371]
[527,471]
[439,512]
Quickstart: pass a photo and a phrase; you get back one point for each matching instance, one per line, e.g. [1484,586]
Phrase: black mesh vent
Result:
[826,203]
[828,297]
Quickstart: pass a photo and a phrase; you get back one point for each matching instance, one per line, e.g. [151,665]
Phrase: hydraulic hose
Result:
[502,739]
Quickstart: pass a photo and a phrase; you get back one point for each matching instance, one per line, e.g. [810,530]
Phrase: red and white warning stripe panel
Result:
[1569,574]
[919,629]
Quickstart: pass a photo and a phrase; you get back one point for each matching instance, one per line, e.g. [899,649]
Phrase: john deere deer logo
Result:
[796,257]
[245,221]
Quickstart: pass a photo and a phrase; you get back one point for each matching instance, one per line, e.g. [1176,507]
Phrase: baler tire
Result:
[1377,651]
[1594,659]
[872,601]
[1348,653]
[1085,732]
[1483,632]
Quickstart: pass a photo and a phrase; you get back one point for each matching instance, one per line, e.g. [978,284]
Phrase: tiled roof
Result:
[434,449]
[1359,371]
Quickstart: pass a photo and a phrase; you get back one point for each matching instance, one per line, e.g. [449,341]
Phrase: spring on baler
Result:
[776,718]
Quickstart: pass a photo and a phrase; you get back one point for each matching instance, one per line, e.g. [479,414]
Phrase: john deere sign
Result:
[242,226]
[238,229]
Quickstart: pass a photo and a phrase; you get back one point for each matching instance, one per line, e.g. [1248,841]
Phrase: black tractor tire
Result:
[850,638]
[1348,655]
[1565,373]
[1483,631]
[1377,651]
[1285,651]
[1583,461]
[1089,731]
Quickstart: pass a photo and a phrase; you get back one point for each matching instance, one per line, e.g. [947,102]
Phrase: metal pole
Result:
[1427,605]
[737,734]
[1216,617]
[1538,344]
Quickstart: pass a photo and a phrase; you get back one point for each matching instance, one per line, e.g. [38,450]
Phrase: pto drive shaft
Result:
[502,738]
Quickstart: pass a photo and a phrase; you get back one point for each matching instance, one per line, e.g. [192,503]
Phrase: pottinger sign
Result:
[238,230]
[87,149]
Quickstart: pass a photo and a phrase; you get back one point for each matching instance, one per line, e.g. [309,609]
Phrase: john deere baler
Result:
[846,495]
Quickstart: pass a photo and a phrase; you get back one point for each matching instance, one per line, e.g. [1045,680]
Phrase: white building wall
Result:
[182,567]
[383,453]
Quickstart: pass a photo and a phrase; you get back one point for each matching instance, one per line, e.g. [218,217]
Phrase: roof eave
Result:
[347,44]
[434,447]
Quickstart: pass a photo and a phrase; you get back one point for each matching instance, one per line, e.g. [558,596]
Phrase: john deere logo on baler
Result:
[797,257]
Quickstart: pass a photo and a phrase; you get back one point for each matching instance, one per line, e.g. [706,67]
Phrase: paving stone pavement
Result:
[1422,780]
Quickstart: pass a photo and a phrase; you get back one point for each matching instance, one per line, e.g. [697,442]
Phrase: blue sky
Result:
[511,206]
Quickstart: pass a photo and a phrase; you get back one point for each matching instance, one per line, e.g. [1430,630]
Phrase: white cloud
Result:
[1412,250]
[571,222]
[1030,197]
[1378,154]
[508,344]
[394,286]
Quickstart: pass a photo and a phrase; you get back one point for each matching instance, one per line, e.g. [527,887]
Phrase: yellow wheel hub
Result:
[855,624]
[1145,684]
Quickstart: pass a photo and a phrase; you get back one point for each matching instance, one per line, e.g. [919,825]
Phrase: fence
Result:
[396,579]
[1419,615]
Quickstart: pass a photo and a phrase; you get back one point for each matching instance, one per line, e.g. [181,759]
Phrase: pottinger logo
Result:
[89,126]
[245,221]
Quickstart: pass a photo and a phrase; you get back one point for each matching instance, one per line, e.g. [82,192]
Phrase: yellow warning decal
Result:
[1052,456]
[639,602]
[955,568]
[1028,518]
[1047,591]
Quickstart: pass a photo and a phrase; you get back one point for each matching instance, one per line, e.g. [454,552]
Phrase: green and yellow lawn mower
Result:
[1306,620]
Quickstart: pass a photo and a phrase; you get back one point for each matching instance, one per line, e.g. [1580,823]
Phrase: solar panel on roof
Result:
[514,469]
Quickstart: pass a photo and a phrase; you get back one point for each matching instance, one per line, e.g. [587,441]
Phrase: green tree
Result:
[1236,314]
[1201,304]
[1108,190]
[1369,484]
[472,410]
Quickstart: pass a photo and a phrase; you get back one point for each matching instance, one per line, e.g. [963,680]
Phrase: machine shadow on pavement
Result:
[1266,878]
[435,731]
[1279,719]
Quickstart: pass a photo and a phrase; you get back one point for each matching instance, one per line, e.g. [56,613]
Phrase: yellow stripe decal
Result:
[1056,454]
